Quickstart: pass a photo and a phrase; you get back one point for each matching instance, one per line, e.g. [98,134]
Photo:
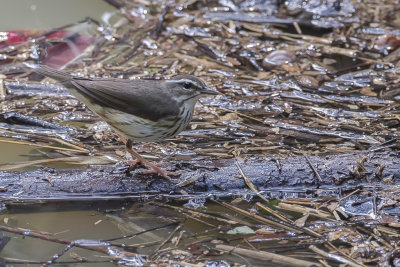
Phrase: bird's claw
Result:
[133,163]
[153,169]
[161,172]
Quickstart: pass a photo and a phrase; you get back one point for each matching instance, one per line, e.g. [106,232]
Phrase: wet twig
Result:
[266,256]
[165,241]
[320,181]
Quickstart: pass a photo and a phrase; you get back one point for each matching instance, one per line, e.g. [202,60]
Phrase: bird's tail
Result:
[44,70]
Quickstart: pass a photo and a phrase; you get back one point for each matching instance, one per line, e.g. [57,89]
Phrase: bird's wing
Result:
[140,98]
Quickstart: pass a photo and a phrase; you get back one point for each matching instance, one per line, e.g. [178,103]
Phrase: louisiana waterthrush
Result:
[139,110]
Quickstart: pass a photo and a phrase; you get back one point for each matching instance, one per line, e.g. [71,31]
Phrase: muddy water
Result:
[106,222]
[13,152]
[67,224]
[46,14]
[74,225]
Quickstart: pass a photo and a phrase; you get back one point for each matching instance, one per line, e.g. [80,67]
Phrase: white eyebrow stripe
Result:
[184,80]
[181,80]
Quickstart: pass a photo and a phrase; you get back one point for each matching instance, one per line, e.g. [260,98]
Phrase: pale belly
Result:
[136,128]
[133,127]
[139,129]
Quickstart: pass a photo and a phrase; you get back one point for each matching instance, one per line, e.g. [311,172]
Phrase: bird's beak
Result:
[208,91]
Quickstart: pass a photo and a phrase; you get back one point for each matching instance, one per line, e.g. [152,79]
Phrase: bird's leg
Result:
[153,168]
[139,159]
[130,162]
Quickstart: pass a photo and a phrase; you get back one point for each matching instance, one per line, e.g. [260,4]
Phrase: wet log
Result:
[297,176]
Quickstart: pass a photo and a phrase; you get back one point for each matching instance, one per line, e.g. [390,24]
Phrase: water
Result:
[97,226]
[47,14]
[69,225]
[13,152]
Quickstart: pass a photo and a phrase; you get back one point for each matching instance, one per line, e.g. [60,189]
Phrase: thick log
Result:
[279,178]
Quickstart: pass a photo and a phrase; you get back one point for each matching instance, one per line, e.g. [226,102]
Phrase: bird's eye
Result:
[187,85]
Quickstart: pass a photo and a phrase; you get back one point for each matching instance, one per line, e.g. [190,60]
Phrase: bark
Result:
[275,178]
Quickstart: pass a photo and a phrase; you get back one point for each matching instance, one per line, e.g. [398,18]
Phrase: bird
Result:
[146,110]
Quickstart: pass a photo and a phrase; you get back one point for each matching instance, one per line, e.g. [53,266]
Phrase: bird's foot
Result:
[159,171]
[132,164]
[152,167]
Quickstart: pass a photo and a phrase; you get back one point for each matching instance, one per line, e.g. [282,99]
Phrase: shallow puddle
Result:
[127,224]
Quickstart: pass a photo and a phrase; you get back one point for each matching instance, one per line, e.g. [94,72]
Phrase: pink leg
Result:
[152,167]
